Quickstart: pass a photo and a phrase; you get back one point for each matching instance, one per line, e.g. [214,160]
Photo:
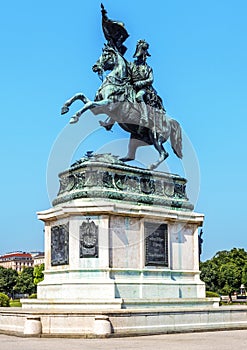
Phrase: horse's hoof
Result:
[126,159]
[64,109]
[73,120]
[152,167]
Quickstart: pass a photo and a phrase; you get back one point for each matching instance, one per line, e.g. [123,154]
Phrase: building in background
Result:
[38,258]
[19,260]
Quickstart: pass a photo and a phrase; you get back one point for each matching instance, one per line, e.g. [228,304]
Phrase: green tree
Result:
[4,300]
[244,275]
[209,274]
[225,272]
[25,283]
[229,277]
[38,273]
[8,278]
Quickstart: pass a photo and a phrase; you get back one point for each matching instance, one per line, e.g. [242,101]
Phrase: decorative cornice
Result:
[103,176]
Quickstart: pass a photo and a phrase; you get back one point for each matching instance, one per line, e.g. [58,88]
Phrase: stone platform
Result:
[119,237]
[119,323]
[121,258]
[121,250]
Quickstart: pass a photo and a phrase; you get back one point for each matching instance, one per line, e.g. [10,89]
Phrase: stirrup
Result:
[105,125]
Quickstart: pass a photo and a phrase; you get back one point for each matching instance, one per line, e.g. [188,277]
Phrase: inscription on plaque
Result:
[88,240]
[60,245]
[156,244]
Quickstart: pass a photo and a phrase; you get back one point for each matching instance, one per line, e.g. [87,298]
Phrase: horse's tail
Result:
[176,138]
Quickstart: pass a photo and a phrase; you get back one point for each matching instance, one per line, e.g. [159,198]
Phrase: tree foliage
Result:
[25,283]
[226,271]
[244,275]
[8,278]
[38,273]
[4,300]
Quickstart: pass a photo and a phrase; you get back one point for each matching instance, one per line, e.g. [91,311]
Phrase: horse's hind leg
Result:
[132,147]
[158,144]
[69,102]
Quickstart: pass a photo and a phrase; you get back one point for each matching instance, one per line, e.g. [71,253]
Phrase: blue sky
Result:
[199,57]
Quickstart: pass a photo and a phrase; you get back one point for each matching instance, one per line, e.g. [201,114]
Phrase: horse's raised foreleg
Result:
[158,144]
[89,105]
[69,102]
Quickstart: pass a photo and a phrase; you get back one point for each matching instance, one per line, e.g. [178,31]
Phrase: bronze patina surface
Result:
[127,96]
[105,176]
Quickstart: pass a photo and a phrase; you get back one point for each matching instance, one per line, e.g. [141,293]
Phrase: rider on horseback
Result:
[127,96]
[141,79]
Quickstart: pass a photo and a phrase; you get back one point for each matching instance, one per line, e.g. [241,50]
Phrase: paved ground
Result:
[227,340]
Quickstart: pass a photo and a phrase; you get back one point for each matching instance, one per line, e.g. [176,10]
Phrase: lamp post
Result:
[242,289]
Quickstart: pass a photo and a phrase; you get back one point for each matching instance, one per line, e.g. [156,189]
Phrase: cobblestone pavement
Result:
[224,340]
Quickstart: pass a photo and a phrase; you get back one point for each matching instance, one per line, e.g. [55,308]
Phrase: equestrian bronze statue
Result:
[127,96]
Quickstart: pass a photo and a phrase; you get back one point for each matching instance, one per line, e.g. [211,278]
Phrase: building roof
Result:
[16,255]
[39,256]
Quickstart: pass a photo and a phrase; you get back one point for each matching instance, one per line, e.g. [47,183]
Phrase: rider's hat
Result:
[141,47]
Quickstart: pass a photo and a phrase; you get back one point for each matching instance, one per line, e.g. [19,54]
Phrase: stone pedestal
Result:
[119,237]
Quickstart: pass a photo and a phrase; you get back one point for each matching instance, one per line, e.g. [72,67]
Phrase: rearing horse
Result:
[116,99]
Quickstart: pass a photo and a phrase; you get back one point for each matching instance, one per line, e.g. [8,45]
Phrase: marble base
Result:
[72,305]
[117,323]
[121,236]
[118,304]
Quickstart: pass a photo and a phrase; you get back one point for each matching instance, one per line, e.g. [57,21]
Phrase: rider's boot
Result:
[144,118]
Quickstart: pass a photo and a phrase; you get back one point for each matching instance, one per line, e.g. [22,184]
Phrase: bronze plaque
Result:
[89,240]
[156,244]
[60,245]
